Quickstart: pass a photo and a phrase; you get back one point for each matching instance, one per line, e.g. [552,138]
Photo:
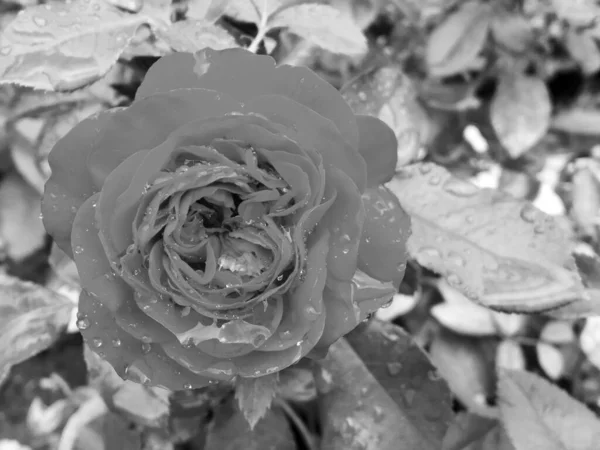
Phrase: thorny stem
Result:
[298,423]
[262,27]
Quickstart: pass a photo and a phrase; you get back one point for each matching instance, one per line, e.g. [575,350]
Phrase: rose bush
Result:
[228,223]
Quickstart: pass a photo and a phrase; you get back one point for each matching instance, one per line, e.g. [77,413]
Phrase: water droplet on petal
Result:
[434,180]
[78,249]
[188,387]
[116,342]
[426,168]
[454,279]
[97,342]
[83,324]
[430,252]
[146,348]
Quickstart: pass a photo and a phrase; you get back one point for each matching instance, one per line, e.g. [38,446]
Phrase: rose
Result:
[228,222]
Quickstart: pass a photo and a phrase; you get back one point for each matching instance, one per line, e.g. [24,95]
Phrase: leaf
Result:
[64,46]
[497,250]
[557,332]
[194,35]
[246,11]
[539,416]
[255,395]
[324,26]
[207,10]
[465,429]
[31,318]
[21,228]
[589,340]
[387,93]
[585,194]
[520,112]
[462,362]
[578,121]
[512,31]
[583,48]
[578,12]
[509,355]
[144,405]
[230,431]
[455,43]
[550,359]
[380,392]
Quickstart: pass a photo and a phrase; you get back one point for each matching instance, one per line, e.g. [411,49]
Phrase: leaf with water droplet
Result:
[194,35]
[497,250]
[66,46]
[32,318]
[371,404]
[540,416]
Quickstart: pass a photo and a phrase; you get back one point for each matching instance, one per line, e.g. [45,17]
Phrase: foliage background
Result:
[493,340]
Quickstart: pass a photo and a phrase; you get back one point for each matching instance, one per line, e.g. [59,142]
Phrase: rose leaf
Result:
[31,318]
[465,429]
[230,430]
[500,251]
[520,111]
[255,395]
[378,389]
[540,416]
[323,25]
[65,46]
[194,35]
[455,43]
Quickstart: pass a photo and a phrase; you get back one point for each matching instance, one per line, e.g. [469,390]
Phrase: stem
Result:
[262,29]
[298,423]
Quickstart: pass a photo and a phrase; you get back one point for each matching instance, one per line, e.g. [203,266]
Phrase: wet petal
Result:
[244,76]
[383,252]
[378,146]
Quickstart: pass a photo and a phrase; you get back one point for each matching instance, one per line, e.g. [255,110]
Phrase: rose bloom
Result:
[228,223]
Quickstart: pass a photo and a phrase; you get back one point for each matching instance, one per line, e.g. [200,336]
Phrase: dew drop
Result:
[83,323]
[40,21]
[362,95]
[430,252]
[434,180]
[146,339]
[188,387]
[311,312]
[394,368]
[456,259]
[529,213]
[378,413]
[426,168]
[454,279]
[285,334]
[116,342]
[460,188]
[97,342]
[146,347]
[345,251]
[78,249]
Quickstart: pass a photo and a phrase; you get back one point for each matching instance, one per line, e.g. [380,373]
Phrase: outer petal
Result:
[310,129]
[379,147]
[81,160]
[244,76]
[382,253]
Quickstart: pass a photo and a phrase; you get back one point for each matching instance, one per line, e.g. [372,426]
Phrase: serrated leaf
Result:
[379,391]
[64,46]
[497,250]
[230,431]
[539,416]
[578,12]
[324,26]
[455,43]
[520,112]
[31,318]
[246,10]
[255,395]
[194,35]
[465,429]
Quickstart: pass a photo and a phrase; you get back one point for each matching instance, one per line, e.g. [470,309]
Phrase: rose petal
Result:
[244,76]
[379,147]
[382,252]
[310,129]
[81,160]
